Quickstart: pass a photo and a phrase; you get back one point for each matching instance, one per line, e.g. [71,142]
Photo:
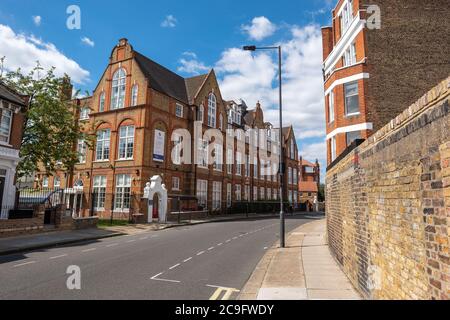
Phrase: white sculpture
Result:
[152,188]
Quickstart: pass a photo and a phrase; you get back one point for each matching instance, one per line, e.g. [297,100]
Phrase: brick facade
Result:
[387,205]
[392,66]
[160,92]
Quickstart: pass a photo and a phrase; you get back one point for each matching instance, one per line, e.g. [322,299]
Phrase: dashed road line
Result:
[156,278]
[24,264]
[200,253]
[175,266]
[212,248]
[112,245]
[89,250]
[188,259]
[131,241]
[220,244]
[58,257]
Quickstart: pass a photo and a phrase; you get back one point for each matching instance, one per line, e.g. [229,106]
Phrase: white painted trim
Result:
[353,78]
[347,39]
[356,127]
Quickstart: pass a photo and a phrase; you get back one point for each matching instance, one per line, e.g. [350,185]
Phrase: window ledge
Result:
[353,114]
[5,144]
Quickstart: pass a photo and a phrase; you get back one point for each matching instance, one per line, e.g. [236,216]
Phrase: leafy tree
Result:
[322,192]
[51,128]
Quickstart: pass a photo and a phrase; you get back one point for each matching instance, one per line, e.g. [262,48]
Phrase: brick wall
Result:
[388,205]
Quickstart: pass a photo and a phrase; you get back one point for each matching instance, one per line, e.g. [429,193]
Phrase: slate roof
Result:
[162,79]
[193,85]
[307,163]
[9,95]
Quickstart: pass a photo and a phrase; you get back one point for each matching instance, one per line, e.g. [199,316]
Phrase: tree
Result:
[322,192]
[51,130]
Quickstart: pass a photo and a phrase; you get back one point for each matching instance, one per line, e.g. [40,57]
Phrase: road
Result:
[208,261]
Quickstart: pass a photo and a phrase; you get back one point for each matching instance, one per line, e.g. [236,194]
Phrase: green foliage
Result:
[51,129]
[322,192]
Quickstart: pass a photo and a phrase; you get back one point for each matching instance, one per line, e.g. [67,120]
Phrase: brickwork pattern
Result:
[388,205]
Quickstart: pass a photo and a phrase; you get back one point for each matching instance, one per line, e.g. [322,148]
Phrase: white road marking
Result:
[234,238]
[164,280]
[220,244]
[265,248]
[130,241]
[112,245]
[229,240]
[89,250]
[143,238]
[23,264]
[175,266]
[200,253]
[188,259]
[57,257]
[212,248]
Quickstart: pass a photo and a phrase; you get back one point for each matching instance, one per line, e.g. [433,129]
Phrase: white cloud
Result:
[22,51]
[37,20]
[260,28]
[191,65]
[169,22]
[254,79]
[88,42]
[315,151]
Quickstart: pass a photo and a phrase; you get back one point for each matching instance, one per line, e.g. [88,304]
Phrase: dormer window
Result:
[118,89]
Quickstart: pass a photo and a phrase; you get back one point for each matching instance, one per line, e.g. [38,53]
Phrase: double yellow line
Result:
[227,293]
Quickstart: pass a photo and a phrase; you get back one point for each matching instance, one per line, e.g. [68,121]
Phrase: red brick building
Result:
[11,131]
[371,73]
[309,182]
[133,113]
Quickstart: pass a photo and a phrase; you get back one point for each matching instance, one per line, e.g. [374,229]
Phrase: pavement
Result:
[304,270]
[195,262]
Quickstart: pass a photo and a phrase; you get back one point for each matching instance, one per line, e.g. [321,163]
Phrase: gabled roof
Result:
[11,96]
[193,86]
[162,79]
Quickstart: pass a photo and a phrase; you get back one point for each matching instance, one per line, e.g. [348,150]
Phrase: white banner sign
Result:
[158,146]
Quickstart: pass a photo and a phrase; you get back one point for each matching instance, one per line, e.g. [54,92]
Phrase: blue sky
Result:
[187,37]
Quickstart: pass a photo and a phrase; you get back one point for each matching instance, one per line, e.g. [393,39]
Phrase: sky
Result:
[188,37]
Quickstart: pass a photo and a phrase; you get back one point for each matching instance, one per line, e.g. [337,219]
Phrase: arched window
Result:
[134,95]
[118,89]
[101,105]
[201,112]
[212,110]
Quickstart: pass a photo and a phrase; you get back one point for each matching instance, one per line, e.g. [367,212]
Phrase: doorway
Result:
[155,213]
[2,190]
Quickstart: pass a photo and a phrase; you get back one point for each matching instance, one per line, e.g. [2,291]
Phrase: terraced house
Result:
[379,56]
[134,111]
[11,130]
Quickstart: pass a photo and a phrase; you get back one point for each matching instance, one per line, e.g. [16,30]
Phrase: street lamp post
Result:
[282,218]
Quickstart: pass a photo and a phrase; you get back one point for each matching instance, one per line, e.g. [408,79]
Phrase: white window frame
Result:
[99,193]
[229,195]
[82,151]
[238,163]
[118,89]
[238,192]
[347,114]
[84,113]
[201,113]
[218,161]
[331,107]
[179,110]
[202,193]
[333,148]
[176,183]
[57,182]
[101,103]
[5,133]
[45,183]
[134,95]
[212,110]
[230,161]
[126,138]
[217,195]
[122,196]
[103,144]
